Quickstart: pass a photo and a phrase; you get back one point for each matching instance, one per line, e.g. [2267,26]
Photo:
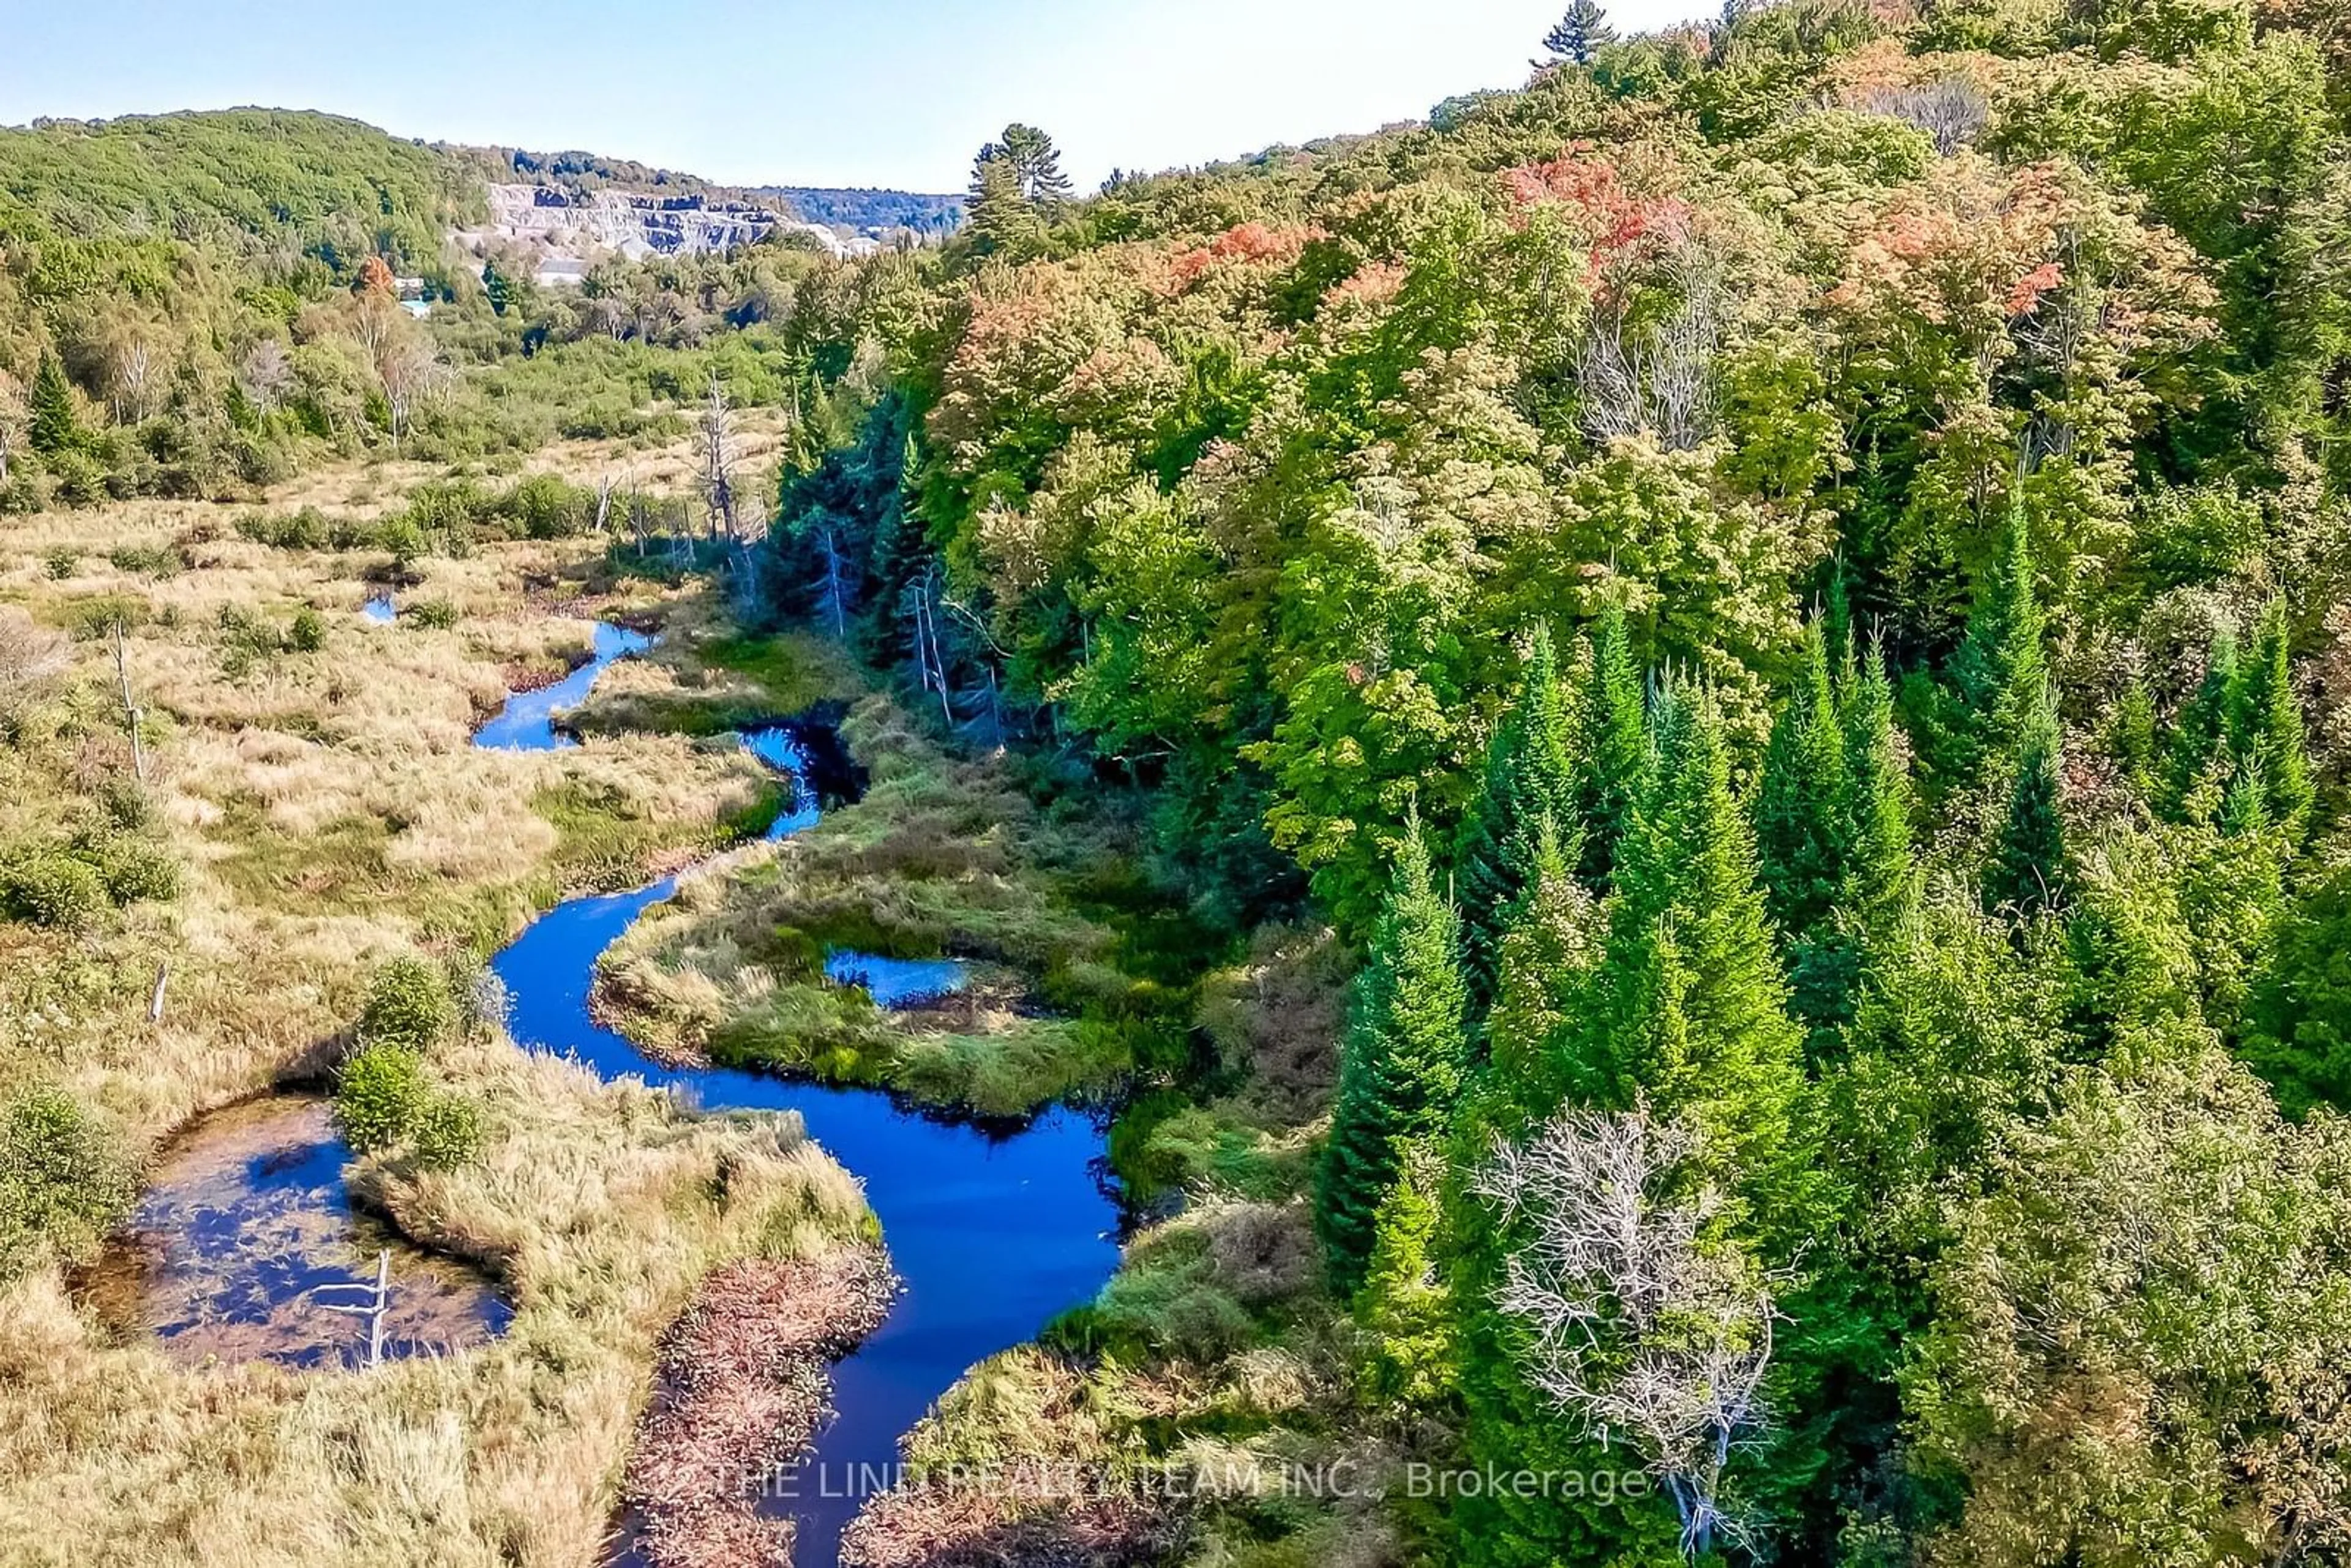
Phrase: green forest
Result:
[1736,660]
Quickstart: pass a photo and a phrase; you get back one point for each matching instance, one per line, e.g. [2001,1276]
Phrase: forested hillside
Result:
[1785,586]
[1726,674]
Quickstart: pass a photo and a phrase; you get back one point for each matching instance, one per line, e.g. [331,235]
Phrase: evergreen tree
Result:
[1875,887]
[2027,869]
[2299,1016]
[1400,1066]
[498,286]
[2130,738]
[1529,792]
[51,428]
[1548,952]
[1403,1308]
[1696,1020]
[1614,758]
[2265,725]
[1003,220]
[2000,672]
[1036,163]
[1802,836]
[1584,29]
[2195,772]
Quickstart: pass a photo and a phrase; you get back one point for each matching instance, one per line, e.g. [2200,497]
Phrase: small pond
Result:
[380,609]
[897,982]
[246,1219]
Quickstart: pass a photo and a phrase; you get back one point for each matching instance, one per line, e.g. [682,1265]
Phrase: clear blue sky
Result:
[851,92]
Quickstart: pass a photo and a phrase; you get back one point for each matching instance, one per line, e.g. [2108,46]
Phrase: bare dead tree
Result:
[922,609]
[411,370]
[134,370]
[375,1304]
[1951,109]
[718,459]
[1660,378]
[265,375]
[1645,1323]
[131,714]
[604,504]
[13,413]
[832,587]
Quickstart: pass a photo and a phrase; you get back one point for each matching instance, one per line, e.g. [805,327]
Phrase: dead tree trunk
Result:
[373,1308]
[717,460]
[129,709]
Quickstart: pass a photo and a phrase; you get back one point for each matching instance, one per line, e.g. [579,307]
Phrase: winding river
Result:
[993,1234]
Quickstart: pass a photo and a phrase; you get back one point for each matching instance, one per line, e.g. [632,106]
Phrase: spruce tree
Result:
[1528,791]
[1548,953]
[1401,1064]
[2265,725]
[1802,836]
[1403,1308]
[1584,29]
[1697,1020]
[2195,772]
[2027,869]
[2001,670]
[51,428]
[1874,888]
[1613,761]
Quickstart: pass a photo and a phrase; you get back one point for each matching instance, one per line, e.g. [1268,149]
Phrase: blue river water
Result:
[527,721]
[993,1233]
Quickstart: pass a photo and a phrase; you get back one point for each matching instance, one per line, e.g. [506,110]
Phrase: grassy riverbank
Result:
[311,805]
[1083,973]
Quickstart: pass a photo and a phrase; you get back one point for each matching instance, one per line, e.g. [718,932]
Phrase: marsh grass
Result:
[945,854]
[325,808]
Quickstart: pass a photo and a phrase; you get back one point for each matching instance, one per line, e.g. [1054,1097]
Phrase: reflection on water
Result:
[994,1235]
[897,982]
[526,723]
[247,1219]
[380,610]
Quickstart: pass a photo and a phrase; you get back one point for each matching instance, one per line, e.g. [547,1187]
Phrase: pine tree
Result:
[1696,1020]
[1400,1066]
[1548,954]
[1403,1308]
[1614,759]
[1874,888]
[2265,725]
[1528,791]
[2195,772]
[498,286]
[2001,670]
[51,428]
[1802,836]
[1037,163]
[1584,29]
[1003,220]
[2027,869]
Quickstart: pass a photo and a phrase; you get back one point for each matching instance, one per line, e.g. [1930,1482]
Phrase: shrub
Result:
[309,633]
[64,1181]
[408,1005]
[61,564]
[136,872]
[50,887]
[380,1096]
[447,1132]
[438,614]
[404,540]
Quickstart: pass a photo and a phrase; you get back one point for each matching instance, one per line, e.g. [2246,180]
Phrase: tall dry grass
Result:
[328,810]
